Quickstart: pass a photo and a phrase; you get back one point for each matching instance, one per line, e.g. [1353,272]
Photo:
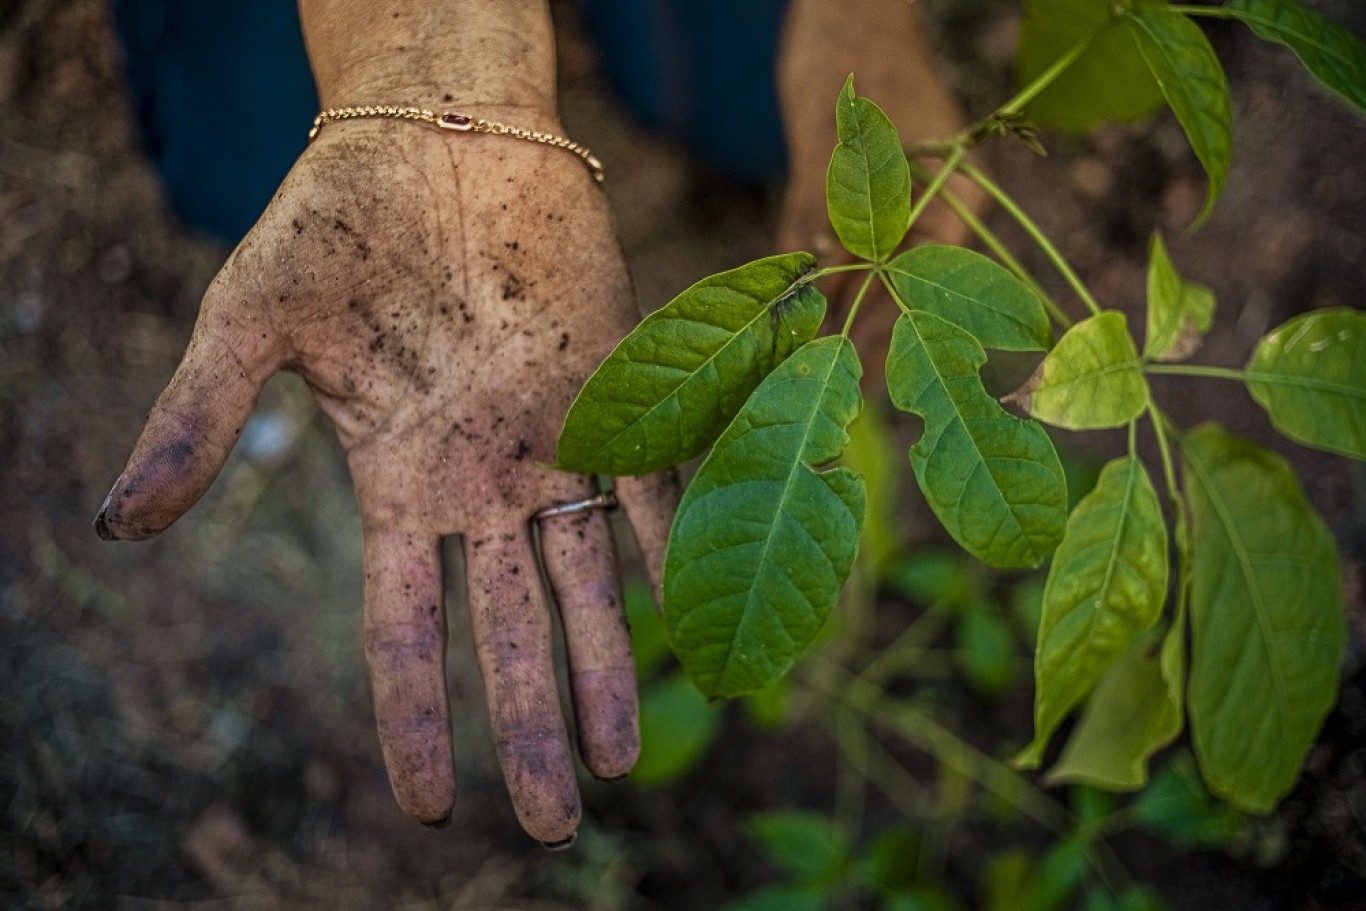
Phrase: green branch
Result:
[1050,75]
[858,301]
[930,192]
[1035,232]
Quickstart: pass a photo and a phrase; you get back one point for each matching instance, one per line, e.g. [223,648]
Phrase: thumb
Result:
[196,420]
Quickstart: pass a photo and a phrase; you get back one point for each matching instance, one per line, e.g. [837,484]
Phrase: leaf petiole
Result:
[858,301]
[1217,373]
[817,274]
[896,295]
[1161,424]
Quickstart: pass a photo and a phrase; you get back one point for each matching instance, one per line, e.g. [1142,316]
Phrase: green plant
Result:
[767,532]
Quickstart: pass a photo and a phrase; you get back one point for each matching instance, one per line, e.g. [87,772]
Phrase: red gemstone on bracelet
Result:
[456,121]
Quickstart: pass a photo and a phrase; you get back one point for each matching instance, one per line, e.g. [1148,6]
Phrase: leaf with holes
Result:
[993,479]
[1193,82]
[1334,55]
[671,386]
[1091,378]
[763,541]
[868,185]
[1105,588]
[1179,312]
[1266,618]
[974,293]
[1310,376]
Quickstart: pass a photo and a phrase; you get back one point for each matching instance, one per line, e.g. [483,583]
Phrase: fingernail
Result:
[561,844]
[441,823]
[622,777]
[102,523]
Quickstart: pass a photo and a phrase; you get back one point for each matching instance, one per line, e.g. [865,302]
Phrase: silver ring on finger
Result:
[605,500]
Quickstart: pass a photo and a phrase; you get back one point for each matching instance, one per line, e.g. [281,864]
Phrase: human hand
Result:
[444,296]
[886,47]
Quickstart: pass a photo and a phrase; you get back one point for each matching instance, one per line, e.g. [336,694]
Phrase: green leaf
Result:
[1179,312]
[1026,604]
[1110,81]
[671,386]
[1266,618]
[649,638]
[1177,808]
[781,898]
[922,898]
[1134,712]
[803,844]
[992,479]
[986,649]
[1310,376]
[1334,55]
[771,707]
[1091,378]
[868,186]
[763,541]
[1058,875]
[1193,82]
[677,725]
[975,294]
[1131,898]
[874,455]
[892,862]
[1105,587]
[1005,879]
[934,577]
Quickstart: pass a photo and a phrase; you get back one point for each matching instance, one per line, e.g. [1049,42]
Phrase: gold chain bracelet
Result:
[461,123]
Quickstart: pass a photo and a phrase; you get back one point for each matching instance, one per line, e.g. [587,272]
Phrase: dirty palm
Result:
[1219,611]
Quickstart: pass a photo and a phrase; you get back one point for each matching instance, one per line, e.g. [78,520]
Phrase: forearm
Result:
[464,53]
[885,46]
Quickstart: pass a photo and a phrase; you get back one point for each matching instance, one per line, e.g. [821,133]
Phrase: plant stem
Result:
[1211,12]
[908,646]
[1218,373]
[1050,75]
[947,747]
[851,742]
[858,301]
[865,698]
[880,769]
[835,270]
[1034,231]
[937,184]
[1165,452]
[891,289]
[994,244]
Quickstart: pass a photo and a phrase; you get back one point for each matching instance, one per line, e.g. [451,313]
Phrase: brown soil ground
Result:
[187,720]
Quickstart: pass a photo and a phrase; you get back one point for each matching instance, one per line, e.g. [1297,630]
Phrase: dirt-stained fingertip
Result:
[102,522]
[442,823]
